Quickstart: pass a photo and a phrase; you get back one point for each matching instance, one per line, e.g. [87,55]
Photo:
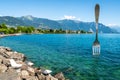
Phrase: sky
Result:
[82,10]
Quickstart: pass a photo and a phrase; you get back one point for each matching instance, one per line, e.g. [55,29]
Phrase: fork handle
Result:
[97,10]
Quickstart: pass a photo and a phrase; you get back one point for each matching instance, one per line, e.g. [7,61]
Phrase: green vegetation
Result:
[29,29]
[20,29]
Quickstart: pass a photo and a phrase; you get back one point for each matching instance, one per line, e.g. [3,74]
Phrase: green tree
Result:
[19,29]
[3,26]
[51,30]
[12,30]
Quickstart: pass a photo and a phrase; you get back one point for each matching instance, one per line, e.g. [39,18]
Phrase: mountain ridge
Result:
[54,24]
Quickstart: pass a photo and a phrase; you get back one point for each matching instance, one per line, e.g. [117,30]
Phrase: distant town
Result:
[4,29]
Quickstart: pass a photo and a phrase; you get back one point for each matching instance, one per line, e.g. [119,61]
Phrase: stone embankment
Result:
[8,71]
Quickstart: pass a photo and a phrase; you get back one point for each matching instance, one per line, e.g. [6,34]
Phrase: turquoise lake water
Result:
[71,54]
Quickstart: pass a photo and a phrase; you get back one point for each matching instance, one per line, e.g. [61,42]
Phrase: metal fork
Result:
[96,43]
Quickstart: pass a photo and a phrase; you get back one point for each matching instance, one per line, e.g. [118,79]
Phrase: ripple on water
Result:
[71,54]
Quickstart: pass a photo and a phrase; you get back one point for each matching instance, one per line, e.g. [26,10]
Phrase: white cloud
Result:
[70,17]
[112,25]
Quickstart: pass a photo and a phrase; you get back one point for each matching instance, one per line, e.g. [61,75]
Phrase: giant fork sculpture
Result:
[96,44]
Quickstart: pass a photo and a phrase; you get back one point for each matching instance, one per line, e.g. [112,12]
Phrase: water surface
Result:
[71,54]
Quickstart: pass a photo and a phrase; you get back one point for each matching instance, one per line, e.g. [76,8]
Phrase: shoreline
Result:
[26,71]
[5,35]
[17,34]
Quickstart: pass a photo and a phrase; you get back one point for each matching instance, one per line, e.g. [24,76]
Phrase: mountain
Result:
[87,26]
[54,24]
[40,22]
[12,21]
[116,27]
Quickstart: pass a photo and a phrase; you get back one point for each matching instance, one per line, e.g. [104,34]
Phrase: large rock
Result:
[48,78]
[2,57]
[9,53]
[32,78]
[41,77]
[2,50]
[24,67]
[6,62]
[8,49]
[1,61]
[3,68]
[51,77]
[17,56]
[9,76]
[10,69]
[60,76]
[24,74]
[31,71]
[3,53]
[37,70]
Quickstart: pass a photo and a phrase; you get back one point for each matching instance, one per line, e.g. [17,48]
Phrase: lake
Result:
[71,54]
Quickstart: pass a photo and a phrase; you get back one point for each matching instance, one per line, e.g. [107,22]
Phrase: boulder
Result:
[9,76]
[6,62]
[9,53]
[24,67]
[17,56]
[38,70]
[2,50]
[1,61]
[52,78]
[8,49]
[3,53]
[29,63]
[24,74]
[2,57]
[41,77]
[49,77]
[60,76]
[3,68]
[10,69]
[32,78]
[31,71]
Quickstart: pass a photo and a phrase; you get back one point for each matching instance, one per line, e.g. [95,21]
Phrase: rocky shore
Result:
[8,71]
